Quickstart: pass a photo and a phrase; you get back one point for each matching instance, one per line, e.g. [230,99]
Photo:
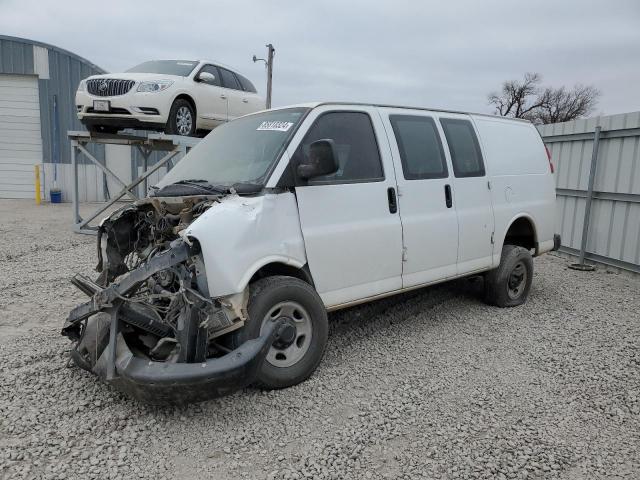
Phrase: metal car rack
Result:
[146,145]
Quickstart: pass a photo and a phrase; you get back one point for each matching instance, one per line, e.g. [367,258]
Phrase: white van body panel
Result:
[422,206]
[353,243]
[522,184]
[473,204]
[346,235]
[240,235]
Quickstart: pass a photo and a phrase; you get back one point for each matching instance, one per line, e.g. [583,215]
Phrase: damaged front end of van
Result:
[150,326]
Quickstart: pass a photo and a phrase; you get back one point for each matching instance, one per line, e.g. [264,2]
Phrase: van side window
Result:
[356,145]
[420,147]
[464,147]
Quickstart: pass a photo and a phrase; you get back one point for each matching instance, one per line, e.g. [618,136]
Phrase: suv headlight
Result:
[82,86]
[156,86]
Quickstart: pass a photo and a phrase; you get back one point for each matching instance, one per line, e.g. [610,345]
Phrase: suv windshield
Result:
[239,152]
[166,67]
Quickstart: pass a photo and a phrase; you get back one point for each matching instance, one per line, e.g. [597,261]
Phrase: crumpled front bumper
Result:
[151,381]
[180,383]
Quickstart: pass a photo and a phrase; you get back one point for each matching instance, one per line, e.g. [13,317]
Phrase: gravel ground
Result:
[431,384]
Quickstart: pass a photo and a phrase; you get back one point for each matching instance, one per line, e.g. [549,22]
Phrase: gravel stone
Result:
[429,384]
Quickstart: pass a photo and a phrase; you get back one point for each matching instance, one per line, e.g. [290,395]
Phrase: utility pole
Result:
[269,64]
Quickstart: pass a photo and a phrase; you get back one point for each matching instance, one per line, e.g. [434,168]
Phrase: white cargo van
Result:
[222,277]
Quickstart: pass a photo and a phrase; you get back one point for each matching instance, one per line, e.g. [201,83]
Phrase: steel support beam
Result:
[613,196]
[606,134]
[587,209]
[171,144]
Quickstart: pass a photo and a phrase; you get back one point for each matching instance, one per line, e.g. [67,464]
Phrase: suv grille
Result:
[109,87]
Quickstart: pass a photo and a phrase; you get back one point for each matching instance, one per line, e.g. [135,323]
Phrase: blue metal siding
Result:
[65,72]
[16,57]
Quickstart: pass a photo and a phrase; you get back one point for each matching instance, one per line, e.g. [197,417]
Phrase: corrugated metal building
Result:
[37,90]
[613,234]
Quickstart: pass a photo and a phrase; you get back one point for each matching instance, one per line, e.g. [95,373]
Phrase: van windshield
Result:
[239,152]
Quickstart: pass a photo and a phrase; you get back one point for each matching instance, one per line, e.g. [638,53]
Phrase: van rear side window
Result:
[420,147]
[464,147]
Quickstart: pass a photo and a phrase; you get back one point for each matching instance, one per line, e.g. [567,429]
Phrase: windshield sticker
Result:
[275,126]
[185,64]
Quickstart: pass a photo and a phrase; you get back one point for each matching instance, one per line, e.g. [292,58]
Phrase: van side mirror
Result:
[322,160]
[206,77]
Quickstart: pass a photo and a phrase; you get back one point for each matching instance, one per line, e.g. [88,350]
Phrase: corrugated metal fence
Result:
[613,234]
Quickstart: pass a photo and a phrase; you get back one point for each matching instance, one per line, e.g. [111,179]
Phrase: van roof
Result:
[383,105]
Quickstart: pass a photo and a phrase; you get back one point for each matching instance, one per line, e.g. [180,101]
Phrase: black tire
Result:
[265,295]
[103,129]
[181,112]
[509,284]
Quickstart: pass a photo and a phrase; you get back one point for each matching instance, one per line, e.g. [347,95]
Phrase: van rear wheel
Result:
[299,349]
[509,284]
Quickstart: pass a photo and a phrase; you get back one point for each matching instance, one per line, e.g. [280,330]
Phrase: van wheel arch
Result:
[522,233]
[281,269]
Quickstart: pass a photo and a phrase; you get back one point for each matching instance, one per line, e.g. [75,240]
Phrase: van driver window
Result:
[356,146]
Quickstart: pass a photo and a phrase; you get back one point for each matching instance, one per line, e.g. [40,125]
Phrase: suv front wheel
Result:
[182,119]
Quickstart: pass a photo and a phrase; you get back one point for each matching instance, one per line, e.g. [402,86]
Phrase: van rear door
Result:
[471,194]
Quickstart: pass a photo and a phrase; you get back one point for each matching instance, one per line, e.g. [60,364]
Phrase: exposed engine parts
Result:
[153,283]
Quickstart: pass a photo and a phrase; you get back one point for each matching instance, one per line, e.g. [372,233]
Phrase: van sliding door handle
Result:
[447,196]
[393,202]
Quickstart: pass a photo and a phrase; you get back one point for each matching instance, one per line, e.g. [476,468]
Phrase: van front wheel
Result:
[297,352]
[509,284]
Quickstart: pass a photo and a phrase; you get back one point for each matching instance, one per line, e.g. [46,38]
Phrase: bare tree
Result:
[562,105]
[526,99]
[518,99]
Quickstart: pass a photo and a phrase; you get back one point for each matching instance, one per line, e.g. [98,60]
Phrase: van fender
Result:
[236,304]
[241,234]
[499,241]
[293,262]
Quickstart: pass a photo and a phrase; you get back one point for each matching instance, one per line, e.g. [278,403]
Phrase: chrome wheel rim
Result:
[297,330]
[184,121]
[517,281]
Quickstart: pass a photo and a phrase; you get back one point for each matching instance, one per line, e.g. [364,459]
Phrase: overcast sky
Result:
[446,54]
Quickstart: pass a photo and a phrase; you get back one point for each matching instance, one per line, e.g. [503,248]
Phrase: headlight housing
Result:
[82,86]
[155,86]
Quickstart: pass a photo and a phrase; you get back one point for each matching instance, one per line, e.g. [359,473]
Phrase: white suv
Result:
[177,96]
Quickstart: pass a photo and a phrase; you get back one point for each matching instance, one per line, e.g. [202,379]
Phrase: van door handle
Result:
[393,202]
[223,96]
[447,195]
[244,100]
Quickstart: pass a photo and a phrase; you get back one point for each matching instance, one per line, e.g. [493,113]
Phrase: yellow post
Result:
[38,196]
